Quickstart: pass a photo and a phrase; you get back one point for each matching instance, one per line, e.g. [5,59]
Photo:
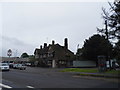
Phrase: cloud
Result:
[12,41]
[27,25]
[17,46]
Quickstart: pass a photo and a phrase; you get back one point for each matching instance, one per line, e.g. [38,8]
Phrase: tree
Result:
[117,51]
[95,46]
[32,60]
[113,19]
[79,53]
[24,55]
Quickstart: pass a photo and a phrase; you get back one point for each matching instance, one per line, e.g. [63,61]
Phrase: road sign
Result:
[9,53]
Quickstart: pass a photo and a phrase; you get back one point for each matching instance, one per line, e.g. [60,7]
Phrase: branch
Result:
[113,9]
[105,13]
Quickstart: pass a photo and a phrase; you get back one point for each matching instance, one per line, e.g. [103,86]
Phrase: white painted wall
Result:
[53,64]
[84,64]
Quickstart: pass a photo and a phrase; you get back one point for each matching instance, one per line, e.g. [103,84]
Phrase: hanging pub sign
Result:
[9,53]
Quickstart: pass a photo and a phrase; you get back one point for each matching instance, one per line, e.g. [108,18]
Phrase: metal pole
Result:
[107,57]
[77,52]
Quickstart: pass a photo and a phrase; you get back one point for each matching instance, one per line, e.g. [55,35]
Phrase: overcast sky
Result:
[25,26]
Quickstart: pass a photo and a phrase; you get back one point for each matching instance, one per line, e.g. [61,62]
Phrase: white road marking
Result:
[30,87]
[5,86]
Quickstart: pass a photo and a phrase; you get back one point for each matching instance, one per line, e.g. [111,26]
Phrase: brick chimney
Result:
[40,46]
[53,42]
[66,43]
[45,45]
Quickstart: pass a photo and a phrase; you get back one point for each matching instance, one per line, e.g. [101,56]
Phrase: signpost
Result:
[9,53]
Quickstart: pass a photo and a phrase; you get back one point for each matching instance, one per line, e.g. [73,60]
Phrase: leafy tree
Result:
[113,19]
[79,53]
[32,59]
[117,51]
[95,46]
[112,23]
[24,55]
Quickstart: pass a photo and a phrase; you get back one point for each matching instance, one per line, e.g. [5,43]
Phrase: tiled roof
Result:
[60,51]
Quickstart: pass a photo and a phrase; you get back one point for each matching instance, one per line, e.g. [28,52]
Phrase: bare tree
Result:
[113,21]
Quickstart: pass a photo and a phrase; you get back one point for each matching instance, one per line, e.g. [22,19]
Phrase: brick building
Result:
[54,55]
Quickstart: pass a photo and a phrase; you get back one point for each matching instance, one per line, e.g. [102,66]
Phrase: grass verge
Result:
[91,70]
[79,70]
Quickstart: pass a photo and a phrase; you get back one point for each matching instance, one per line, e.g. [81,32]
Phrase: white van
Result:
[111,61]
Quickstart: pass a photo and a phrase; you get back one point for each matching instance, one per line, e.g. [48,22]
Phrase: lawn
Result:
[88,70]
[113,71]
[79,70]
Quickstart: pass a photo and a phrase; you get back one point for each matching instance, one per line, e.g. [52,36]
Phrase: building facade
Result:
[54,55]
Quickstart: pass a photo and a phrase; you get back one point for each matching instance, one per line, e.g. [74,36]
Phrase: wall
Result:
[84,64]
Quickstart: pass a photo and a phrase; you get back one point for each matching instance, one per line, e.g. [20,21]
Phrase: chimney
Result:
[53,42]
[66,43]
[45,45]
[40,46]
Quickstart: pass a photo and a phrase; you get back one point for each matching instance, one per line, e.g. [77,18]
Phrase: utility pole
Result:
[77,53]
[107,37]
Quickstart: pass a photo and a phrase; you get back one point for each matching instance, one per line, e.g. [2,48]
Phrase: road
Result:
[35,77]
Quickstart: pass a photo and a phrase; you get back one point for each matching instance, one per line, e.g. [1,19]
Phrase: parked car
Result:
[28,64]
[11,64]
[15,66]
[19,66]
[4,67]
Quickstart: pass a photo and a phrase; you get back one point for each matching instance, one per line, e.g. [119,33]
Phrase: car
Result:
[19,66]
[4,67]
[28,64]
[15,66]
[11,64]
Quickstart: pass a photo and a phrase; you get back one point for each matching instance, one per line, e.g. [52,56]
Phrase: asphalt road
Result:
[35,77]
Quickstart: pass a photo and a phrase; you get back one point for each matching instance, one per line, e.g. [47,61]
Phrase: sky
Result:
[25,26]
